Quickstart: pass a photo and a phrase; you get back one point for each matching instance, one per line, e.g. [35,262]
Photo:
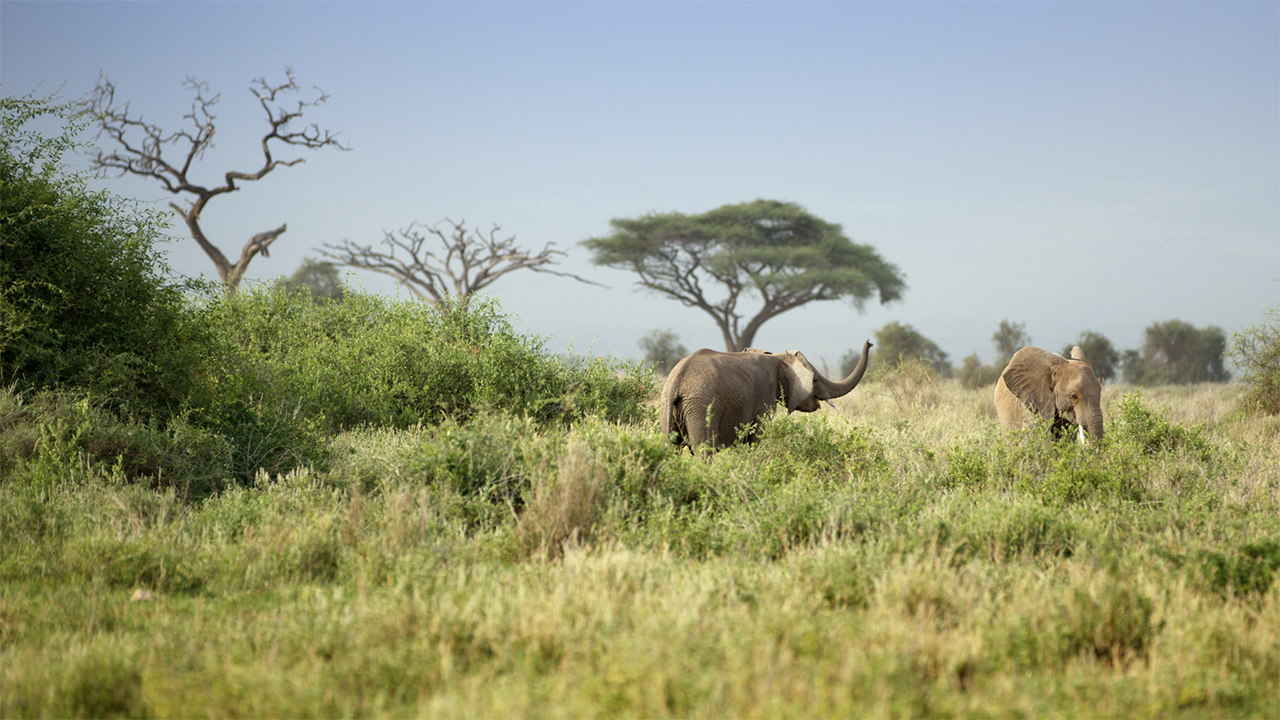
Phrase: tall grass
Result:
[879,558]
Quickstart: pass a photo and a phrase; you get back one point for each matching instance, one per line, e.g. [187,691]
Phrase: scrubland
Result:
[896,556]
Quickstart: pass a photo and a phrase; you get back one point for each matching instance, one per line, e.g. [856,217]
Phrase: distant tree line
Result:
[1173,352]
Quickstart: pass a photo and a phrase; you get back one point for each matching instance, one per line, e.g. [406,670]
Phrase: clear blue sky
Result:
[1072,166]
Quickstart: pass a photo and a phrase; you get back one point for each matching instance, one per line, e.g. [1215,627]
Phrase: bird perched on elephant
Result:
[1045,384]
[709,395]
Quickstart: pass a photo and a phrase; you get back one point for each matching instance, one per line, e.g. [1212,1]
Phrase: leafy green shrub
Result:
[1097,617]
[1256,352]
[1077,474]
[99,684]
[1112,622]
[1150,431]
[62,430]
[1249,569]
[793,446]
[369,361]
[998,529]
[967,467]
[83,299]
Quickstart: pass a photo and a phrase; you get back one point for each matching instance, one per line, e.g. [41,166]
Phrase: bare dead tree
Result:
[469,262]
[141,150]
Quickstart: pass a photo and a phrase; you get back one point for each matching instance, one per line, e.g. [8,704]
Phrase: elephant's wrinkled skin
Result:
[1058,389]
[709,395]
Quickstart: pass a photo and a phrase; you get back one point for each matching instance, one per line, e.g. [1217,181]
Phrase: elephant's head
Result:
[1058,389]
[803,386]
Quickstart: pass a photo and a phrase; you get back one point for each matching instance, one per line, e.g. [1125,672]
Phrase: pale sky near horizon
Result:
[1071,166]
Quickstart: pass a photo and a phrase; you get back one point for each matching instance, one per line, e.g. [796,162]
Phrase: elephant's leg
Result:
[701,426]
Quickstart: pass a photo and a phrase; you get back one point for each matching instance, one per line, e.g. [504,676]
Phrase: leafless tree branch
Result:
[465,262]
[146,150]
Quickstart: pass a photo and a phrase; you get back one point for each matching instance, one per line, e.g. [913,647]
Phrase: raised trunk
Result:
[824,389]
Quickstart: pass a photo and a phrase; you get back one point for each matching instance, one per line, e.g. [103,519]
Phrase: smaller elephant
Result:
[709,395]
[1060,390]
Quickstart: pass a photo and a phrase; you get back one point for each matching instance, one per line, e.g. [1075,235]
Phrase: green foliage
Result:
[663,349]
[973,374]
[1009,338]
[1256,352]
[1176,352]
[1101,618]
[63,430]
[367,361]
[896,342]
[83,300]
[912,382]
[501,565]
[1149,431]
[317,277]
[776,250]
[1099,353]
[1076,475]
[1247,570]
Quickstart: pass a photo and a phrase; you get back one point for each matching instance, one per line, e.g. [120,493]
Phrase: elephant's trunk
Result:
[824,389]
[1093,423]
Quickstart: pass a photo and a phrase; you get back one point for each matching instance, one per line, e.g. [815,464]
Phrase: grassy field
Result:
[896,556]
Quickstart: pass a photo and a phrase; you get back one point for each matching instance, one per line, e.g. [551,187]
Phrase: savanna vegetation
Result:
[262,505]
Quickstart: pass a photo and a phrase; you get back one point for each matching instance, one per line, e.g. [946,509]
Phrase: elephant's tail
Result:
[669,417]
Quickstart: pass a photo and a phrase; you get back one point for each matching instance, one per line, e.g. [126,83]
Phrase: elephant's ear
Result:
[1029,376]
[1077,353]
[798,375]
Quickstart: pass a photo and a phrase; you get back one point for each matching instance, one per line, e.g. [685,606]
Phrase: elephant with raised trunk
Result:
[1058,389]
[709,395]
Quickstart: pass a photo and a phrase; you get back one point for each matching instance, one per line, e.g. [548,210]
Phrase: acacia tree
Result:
[469,262]
[772,250]
[148,151]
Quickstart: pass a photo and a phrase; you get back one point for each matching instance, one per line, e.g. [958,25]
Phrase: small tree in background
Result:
[973,374]
[896,343]
[1009,338]
[1174,351]
[663,349]
[466,262]
[1099,353]
[1131,367]
[317,276]
[142,151]
[1256,352]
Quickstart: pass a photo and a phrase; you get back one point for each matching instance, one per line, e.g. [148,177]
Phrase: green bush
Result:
[1148,431]
[83,298]
[368,361]
[1256,352]
[1245,570]
[64,429]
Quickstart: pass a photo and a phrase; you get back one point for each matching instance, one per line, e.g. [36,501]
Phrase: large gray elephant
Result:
[709,395]
[1058,389]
